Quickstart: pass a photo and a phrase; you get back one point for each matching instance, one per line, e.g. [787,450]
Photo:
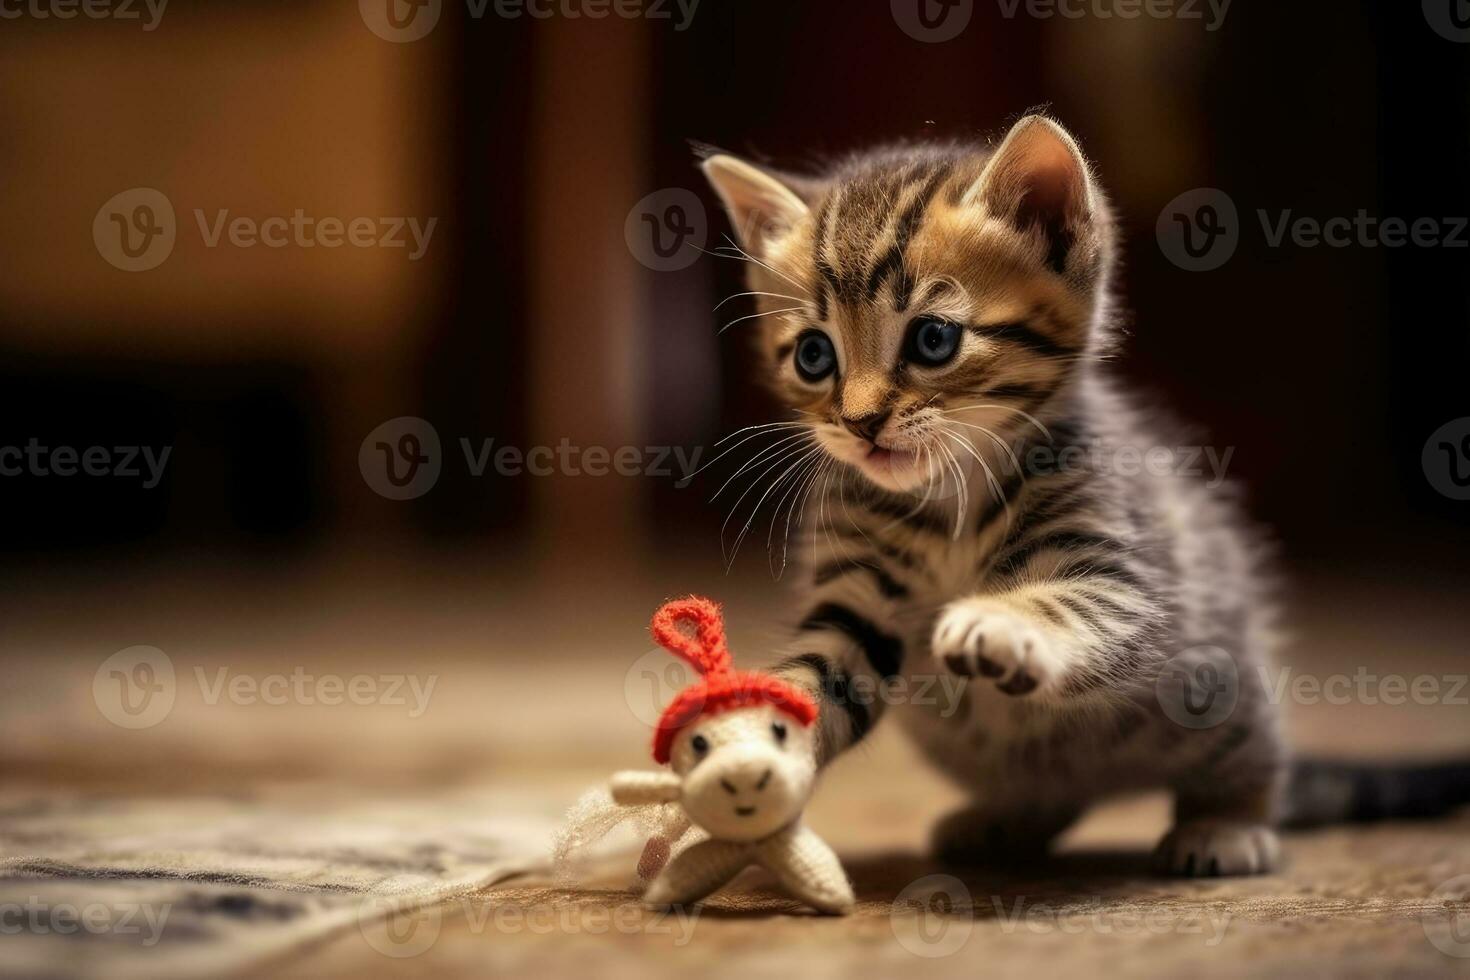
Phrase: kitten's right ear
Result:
[761,206]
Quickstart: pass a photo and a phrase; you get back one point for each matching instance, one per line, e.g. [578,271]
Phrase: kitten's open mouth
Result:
[890,458]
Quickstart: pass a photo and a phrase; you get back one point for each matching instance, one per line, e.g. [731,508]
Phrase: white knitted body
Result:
[743,776]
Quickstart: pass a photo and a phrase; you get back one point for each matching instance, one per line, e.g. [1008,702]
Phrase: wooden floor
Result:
[538,695]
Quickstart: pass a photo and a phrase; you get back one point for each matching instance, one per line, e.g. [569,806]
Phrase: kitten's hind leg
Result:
[1217,836]
[986,835]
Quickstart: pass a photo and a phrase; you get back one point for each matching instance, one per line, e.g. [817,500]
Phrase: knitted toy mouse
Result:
[736,741]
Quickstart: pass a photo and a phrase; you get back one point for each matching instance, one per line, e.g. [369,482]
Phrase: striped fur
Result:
[1053,595]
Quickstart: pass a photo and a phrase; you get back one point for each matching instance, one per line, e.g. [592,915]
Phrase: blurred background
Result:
[558,295]
[529,319]
[536,273]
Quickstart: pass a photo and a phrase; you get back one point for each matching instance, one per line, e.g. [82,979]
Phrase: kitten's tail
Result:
[1324,792]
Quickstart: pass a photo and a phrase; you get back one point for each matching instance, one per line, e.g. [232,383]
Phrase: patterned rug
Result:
[209,886]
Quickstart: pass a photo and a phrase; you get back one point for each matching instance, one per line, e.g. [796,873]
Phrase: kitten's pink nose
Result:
[867,426]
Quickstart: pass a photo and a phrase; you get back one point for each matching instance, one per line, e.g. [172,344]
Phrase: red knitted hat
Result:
[719,688]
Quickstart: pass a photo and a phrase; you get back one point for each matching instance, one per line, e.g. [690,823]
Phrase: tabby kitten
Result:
[936,313]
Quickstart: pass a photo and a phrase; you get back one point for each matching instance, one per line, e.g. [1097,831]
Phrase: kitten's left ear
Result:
[761,206]
[1038,178]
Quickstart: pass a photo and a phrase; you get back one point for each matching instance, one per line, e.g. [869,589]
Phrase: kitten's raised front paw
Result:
[985,638]
[1210,848]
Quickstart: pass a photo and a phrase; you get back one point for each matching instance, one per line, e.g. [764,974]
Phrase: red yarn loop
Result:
[693,629]
[704,644]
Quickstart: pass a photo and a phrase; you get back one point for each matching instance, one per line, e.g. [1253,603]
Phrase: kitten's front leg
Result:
[1001,640]
[1048,637]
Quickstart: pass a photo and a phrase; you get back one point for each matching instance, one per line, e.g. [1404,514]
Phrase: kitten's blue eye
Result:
[931,341]
[815,357]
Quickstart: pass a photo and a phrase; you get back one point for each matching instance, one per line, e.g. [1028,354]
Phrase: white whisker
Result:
[757,292]
[772,431]
[755,316]
[760,457]
[756,510]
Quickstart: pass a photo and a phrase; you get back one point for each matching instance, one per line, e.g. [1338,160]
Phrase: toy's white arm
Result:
[640,788]
[804,863]
[698,870]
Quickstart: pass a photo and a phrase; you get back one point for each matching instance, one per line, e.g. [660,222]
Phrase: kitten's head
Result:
[914,297]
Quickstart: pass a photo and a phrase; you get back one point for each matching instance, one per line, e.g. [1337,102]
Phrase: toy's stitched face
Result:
[747,772]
